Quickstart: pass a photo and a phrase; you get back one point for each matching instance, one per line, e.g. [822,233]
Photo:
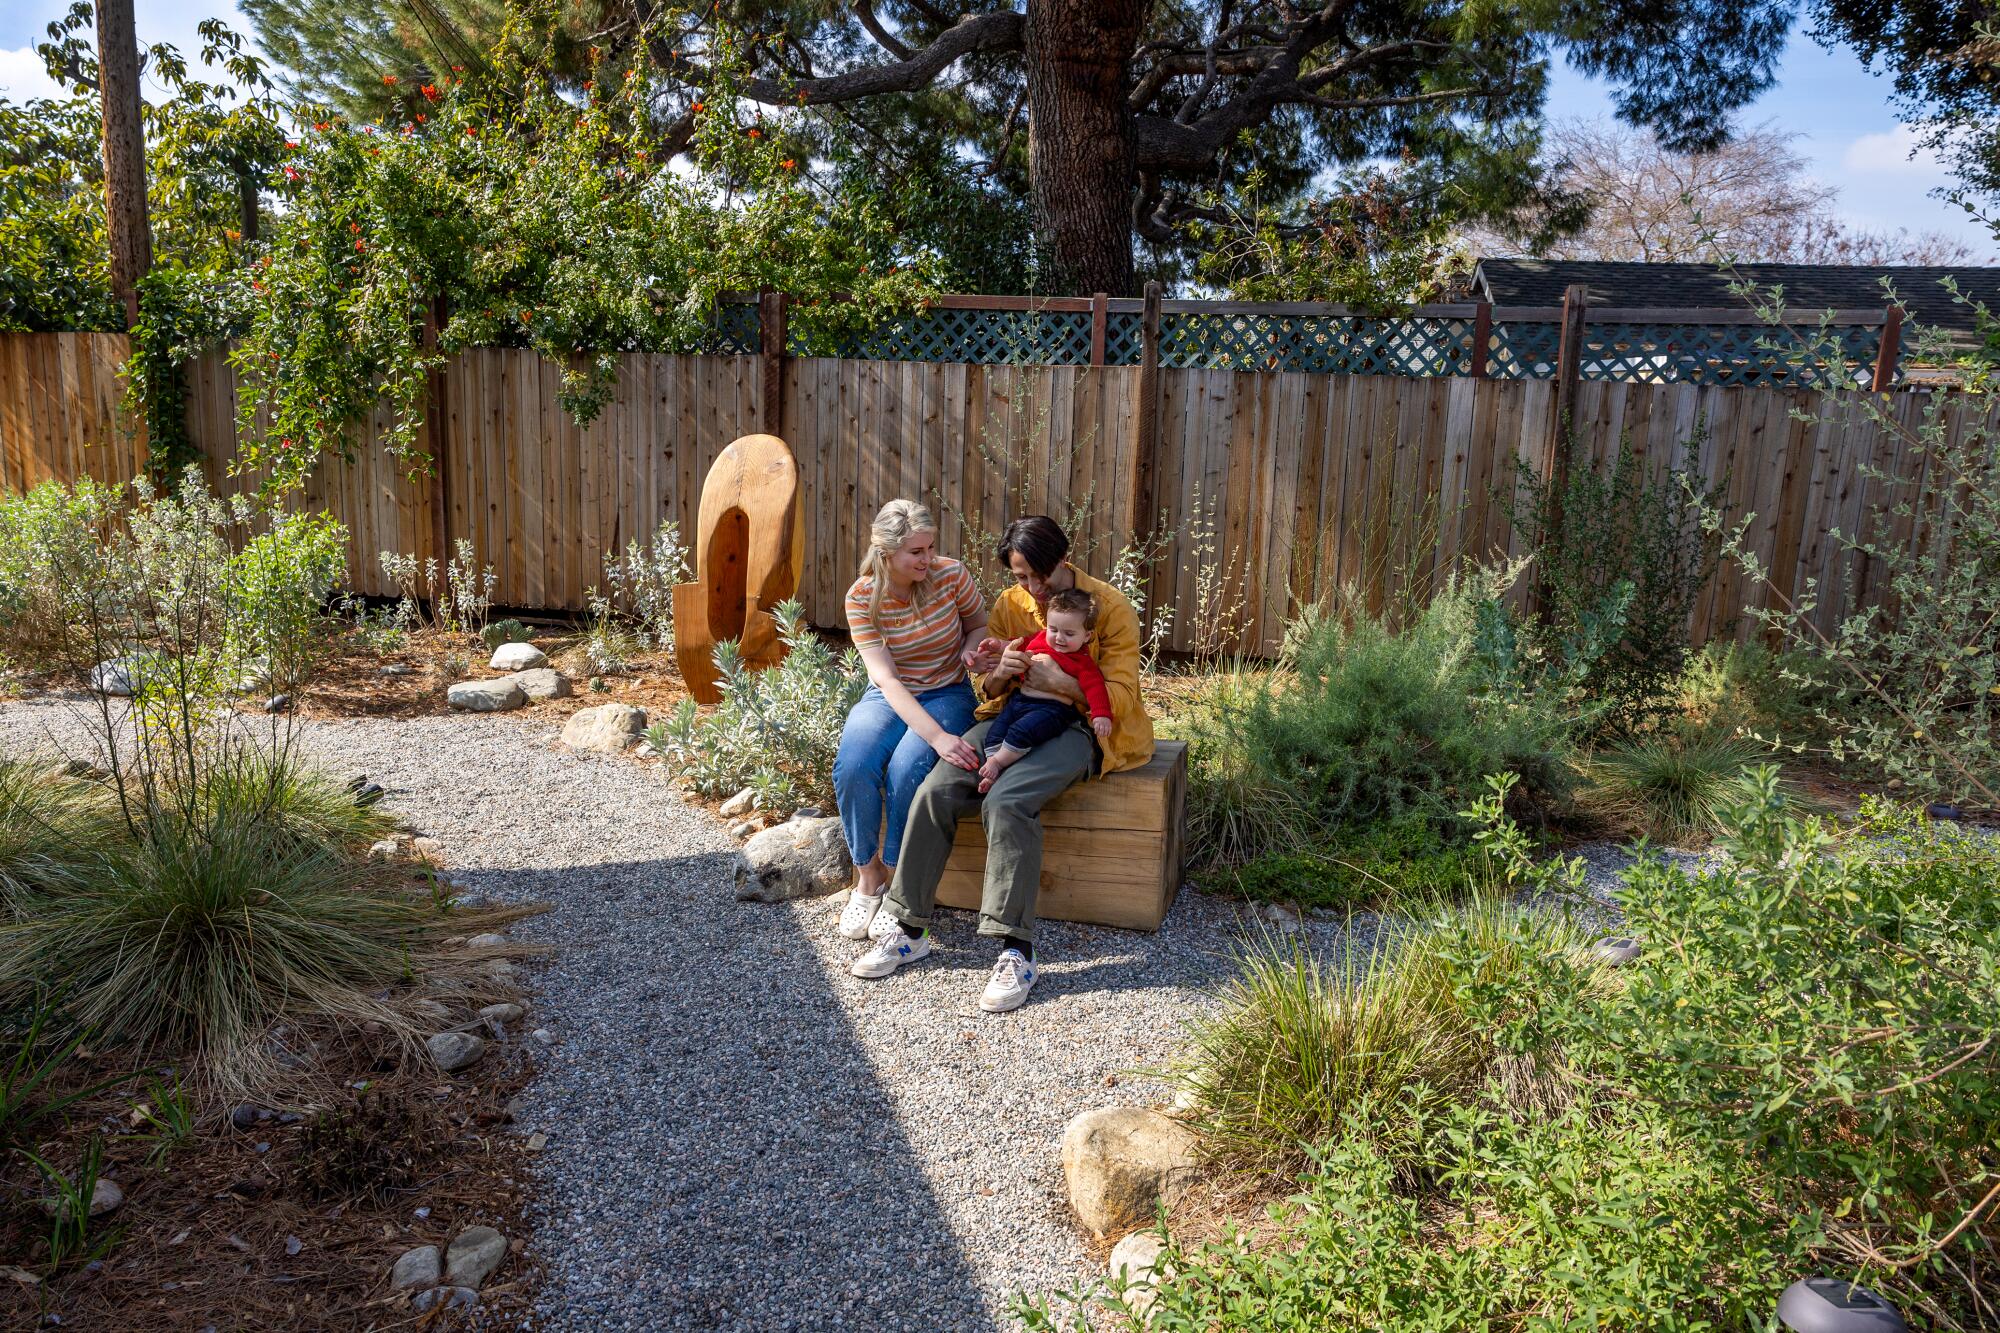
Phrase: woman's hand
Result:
[984,656]
[954,750]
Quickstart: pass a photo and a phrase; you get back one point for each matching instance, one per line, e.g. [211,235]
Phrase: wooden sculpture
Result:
[749,549]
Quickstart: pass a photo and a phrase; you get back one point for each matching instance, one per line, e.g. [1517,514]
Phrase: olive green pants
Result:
[1011,813]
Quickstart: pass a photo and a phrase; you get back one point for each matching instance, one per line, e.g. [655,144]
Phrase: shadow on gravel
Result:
[722,1153]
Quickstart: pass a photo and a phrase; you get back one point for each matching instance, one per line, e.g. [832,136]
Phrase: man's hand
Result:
[1049,678]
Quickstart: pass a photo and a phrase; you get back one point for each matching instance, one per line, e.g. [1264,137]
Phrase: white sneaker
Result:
[858,915]
[1013,977]
[891,952]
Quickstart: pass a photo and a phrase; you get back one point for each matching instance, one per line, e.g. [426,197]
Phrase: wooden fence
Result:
[1309,481]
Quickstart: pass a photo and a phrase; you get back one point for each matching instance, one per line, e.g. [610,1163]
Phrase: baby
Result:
[1030,717]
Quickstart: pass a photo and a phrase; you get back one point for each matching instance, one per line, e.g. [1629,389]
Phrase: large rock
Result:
[486,696]
[416,1268]
[609,728]
[517,657]
[119,676]
[455,1050]
[543,683]
[474,1256]
[1122,1163]
[806,858]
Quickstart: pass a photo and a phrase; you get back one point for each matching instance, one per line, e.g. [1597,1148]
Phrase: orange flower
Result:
[697,108]
[360,246]
[756,134]
[354,227]
[472,131]
[389,80]
[430,92]
[421,118]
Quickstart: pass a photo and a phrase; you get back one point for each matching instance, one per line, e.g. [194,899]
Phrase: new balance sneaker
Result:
[1013,977]
[862,911]
[891,952]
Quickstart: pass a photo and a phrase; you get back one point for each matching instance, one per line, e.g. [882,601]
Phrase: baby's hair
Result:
[1077,602]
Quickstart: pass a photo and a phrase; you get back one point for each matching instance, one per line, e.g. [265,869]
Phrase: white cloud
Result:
[23,76]
[1895,153]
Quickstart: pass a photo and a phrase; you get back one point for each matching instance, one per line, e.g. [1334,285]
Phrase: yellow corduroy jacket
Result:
[1115,647]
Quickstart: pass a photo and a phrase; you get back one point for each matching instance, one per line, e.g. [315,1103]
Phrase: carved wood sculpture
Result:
[749,549]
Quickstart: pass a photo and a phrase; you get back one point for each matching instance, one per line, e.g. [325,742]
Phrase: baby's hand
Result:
[1102,726]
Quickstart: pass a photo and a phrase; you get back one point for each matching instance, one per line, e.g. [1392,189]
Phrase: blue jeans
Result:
[882,762]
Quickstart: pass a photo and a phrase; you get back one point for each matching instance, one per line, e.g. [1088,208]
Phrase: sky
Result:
[1841,113]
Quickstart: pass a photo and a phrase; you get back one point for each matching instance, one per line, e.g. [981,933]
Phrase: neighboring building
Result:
[1808,288]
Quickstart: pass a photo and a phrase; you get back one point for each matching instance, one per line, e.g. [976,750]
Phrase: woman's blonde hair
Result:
[894,524]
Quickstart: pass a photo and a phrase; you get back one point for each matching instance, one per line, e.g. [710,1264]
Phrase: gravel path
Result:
[741,1135]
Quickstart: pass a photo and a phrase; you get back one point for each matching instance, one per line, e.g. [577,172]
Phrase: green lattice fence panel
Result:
[1124,339]
[979,337]
[1691,353]
[1343,344]
[738,331]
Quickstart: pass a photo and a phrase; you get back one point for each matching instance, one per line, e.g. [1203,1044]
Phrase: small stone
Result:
[416,1268]
[278,703]
[543,683]
[485,696]
[806,858]
[427,849]
[607,728]
[455,1050]
[385,850]
[518,657]
[488,940]
[1121,1163]
[396,669]
[502,1013]
[1132,1263]
[462,1298]
[739,804]
[293,1245]
[244,1117]
[537,1141]
[745,829]
[1615,951]
[544,1036]
[516,1107]
[807,812]
[430,1010]
[1283,919]
[426,1301]
[104,1197]
[474,1256]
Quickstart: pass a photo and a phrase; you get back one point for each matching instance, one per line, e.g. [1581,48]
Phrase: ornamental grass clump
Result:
[56,833]
[1673,786]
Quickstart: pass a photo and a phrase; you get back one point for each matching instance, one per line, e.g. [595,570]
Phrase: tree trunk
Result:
[1081,151]
[246,204]
[124,152]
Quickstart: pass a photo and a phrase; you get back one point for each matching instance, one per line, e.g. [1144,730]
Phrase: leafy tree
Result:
[1119,120]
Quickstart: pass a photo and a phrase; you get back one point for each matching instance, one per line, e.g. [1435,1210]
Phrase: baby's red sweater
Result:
[1083,667]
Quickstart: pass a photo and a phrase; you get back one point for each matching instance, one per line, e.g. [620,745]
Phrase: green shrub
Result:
[1236,810]
[775,731]
[1577,1220]
[1671,786]
[279,589]
[1747,688]
[56,832]
[52,552]
[504,631]
[1620,527]
[295,804]
[1371,723]
[1385,862]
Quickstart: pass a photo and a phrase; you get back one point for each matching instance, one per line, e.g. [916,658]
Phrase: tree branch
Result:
[865,11]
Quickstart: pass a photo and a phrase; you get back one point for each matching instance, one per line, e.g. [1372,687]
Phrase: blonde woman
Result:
[914,614]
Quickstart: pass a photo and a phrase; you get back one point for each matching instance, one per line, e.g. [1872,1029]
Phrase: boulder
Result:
[805,858]
[455,1050]
[474,1256]
[517,657]
[486,696]
[543,683]
[607,728]
[416,1268]
[119,676]
[1122,1163]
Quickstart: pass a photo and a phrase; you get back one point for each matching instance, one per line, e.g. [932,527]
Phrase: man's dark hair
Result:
[1077,602]
[1040,541]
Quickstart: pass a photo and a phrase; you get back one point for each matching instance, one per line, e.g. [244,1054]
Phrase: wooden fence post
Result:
[771,340]
[437,420]
[1146,443]
[1100,317]
[1890,351]
[1482,334]
[1569,371]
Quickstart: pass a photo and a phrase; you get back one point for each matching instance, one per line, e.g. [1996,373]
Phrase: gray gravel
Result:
[740,1134]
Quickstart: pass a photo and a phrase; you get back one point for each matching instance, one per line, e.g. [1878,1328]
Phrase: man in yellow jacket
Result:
[1035,550]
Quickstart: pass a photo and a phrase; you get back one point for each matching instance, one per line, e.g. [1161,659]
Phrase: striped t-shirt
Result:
[923,643]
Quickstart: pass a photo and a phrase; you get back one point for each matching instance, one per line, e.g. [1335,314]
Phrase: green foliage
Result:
[1371,722]
[55,832]
[1380,862]
[54,265]
[73,1235]
[37,1041]
[1620,527]
[1236,812]
[498,632]
[52,544]
[280,584]
[642,583]
[1674,785]
[776,731]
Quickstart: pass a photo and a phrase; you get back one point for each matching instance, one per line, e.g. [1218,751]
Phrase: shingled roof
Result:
[1808,287]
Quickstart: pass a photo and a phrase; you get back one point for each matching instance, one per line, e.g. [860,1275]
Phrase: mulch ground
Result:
[269,1227]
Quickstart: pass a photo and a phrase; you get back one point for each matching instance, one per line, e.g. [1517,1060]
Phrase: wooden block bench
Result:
[1112,851]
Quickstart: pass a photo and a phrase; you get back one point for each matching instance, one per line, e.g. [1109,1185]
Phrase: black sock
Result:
[914,932]
[1027,947]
